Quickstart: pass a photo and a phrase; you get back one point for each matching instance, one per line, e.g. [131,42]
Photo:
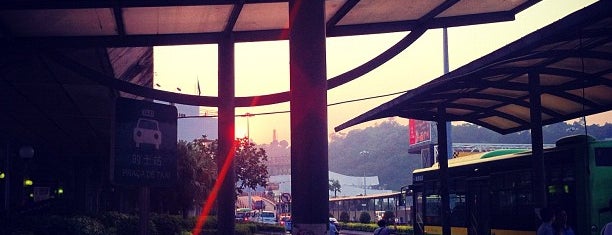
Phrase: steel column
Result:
[537,141]
[308,87]
[227,198]
[443,161]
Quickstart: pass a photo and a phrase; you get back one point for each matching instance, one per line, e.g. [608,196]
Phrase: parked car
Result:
[266,217]
[243,214]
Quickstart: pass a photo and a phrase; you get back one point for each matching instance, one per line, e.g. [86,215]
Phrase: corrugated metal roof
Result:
[572,58]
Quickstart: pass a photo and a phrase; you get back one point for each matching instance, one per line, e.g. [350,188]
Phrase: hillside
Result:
[383,149]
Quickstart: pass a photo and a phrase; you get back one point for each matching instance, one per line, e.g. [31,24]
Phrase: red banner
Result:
[420,131]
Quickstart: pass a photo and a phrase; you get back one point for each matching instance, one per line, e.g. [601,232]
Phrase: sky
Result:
[263,68]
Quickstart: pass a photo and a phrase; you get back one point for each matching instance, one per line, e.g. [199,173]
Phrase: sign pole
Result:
[143,199]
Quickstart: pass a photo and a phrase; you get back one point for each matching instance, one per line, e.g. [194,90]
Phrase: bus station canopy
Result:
[57,56]
[572,57]
[138,23]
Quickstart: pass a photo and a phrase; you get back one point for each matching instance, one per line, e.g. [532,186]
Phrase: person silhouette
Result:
[548,217]
[560,224]
[382,228]
[333,230]
[607,229]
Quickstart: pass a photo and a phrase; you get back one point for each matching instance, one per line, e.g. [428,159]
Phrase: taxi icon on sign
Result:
[147,132]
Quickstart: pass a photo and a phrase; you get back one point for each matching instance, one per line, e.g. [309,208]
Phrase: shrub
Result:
[211,222]
[128,224]
[252,227]
[270,228]
[189,223]
[54,224]
[243,229]
[345,217]
[41,224]
[112,218]
[114,223]
[401,229]
[364,217]
[85,225]
[168,224]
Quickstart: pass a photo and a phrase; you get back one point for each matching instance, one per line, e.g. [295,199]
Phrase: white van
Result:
[266,217]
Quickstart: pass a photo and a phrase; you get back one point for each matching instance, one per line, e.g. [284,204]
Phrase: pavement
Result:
[342,232]
[351,232]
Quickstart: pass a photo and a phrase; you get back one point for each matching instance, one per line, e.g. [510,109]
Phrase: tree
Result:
[344,217]
[250,167]
[387,144]
[334,185]
[251,170]
[197,172]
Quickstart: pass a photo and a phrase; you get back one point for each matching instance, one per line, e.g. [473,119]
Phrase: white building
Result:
[350,185]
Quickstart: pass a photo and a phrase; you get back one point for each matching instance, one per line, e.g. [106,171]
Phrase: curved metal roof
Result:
[101,23]
[58,81]
[573,58]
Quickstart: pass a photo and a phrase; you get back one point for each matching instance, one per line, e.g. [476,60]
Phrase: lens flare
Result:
[215,191]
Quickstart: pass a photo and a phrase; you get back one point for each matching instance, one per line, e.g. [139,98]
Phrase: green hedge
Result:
[114,223]
[370,227]
[53,224]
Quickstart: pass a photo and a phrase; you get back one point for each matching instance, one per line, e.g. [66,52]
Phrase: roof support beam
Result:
[575,98]
[477,112]
[118,12]
[537,142]
[502,99]
[443,161]
[348,5]
[231,22]
[419,29]
[227,149]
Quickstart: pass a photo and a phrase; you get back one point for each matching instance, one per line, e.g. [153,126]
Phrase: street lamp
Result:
[365,154]
[247,115]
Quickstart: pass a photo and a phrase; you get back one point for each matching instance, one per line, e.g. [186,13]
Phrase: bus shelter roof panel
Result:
[175,20]
[104,23]
[572,59]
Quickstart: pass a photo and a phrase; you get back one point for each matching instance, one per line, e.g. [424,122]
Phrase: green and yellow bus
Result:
[492,193]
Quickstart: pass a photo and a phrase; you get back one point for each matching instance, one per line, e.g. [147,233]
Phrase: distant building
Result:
[279,156]
[279,170]
[349,185]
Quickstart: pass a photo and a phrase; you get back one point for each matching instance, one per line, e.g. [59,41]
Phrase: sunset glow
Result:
[263,67]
